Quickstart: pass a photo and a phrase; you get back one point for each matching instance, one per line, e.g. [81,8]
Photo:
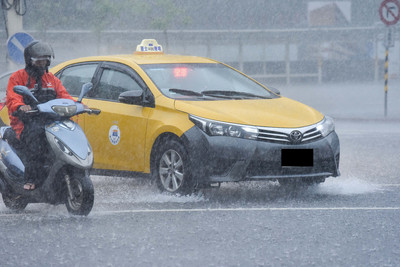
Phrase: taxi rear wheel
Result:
[171,168]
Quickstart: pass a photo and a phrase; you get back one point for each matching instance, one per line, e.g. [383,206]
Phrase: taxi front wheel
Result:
[171,169]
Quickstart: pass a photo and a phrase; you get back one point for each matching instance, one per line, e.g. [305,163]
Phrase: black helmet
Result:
[38,51]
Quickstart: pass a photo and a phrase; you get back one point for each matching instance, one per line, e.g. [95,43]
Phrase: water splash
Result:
[346,186]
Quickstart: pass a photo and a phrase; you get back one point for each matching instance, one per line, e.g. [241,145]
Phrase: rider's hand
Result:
[25,108]
[85,106]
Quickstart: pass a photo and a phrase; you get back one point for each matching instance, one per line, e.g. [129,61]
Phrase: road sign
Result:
[389,11]
[16,45]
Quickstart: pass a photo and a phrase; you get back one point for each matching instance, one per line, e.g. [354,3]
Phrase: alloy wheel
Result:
[171,170]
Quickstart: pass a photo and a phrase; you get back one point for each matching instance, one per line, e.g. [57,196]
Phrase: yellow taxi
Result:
[190,121]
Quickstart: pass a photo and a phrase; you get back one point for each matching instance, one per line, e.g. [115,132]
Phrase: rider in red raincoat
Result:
[44,86]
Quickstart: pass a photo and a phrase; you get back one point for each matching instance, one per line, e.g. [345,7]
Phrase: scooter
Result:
[70,158]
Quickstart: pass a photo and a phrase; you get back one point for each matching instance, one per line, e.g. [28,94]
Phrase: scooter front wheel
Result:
[80,194]
[14,202]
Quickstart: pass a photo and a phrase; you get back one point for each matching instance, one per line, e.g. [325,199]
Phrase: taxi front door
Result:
[118,134]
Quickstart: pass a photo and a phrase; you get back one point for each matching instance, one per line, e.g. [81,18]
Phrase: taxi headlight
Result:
[216,128]
[326,126]
[65,111]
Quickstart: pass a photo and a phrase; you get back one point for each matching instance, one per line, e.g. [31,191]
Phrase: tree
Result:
[103,12]
[101,15]
[170,14]
[164,14]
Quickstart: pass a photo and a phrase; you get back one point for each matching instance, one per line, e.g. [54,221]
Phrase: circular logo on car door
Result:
[296,136]
[114,135]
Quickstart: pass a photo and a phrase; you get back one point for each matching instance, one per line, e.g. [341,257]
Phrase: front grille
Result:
[311,135]
[272,136]
[282,135]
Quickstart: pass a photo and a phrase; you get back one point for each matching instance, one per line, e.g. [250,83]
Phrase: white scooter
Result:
[69,160]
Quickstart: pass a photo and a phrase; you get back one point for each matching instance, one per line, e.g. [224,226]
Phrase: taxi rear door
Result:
[118,134]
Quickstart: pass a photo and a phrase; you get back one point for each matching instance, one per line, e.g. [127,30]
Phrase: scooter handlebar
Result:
[32,111]
[93,111]
[19,113]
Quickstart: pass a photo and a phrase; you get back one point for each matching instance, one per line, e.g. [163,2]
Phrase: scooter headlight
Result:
[65,111]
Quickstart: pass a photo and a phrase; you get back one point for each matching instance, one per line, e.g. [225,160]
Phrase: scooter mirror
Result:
[85,89]
[24,91]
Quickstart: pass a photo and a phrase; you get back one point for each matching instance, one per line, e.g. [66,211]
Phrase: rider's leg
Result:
[35,148]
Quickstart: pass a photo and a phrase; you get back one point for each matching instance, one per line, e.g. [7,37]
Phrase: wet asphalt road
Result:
[352,220]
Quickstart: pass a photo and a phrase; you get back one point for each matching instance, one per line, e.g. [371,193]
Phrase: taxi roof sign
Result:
[149,46]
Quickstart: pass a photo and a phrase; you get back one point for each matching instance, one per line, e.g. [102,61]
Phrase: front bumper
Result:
[228,159]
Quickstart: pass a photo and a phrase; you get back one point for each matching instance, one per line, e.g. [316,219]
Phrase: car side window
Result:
[74,77]
[113,83]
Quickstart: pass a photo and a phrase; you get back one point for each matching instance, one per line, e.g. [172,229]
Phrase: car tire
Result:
[171,168]
[83,193]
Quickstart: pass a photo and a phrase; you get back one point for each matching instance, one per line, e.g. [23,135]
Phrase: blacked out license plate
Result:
[297,157]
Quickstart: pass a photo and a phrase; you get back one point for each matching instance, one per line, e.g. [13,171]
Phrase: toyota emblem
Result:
[296,136]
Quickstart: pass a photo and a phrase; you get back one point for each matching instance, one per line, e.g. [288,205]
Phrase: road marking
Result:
[243,209]
[112,212]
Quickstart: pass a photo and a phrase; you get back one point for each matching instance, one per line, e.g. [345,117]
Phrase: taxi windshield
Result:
[204,81]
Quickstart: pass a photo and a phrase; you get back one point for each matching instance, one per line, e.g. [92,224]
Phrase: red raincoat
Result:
[15,100]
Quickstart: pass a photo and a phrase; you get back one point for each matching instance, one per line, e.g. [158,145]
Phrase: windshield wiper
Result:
[229,94]
[215,94]
[185,92]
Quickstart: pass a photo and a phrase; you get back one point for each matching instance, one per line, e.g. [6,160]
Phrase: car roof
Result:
[166,58]
[144,59]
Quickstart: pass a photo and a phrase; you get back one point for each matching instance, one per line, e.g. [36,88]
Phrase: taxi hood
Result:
[278,112]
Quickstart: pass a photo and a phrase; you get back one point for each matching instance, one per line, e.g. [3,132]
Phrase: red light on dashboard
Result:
[180,72]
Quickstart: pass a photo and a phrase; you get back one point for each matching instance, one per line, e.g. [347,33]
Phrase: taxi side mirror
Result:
[274,90]
[134,97]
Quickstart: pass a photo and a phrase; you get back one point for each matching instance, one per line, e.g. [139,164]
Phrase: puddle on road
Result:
[111,190]
[116,190]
